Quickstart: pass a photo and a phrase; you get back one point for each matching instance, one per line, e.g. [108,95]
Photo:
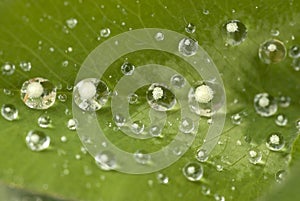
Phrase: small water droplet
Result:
[275,32]
[188,47]
[275,141]
[8,68]
[201,155]
[105,32]
[119,120]
[132,98]
[90,94]
[219,168]
[65,63]
[294,51]
[127,68]
[296,64]
[137,127]
[254,156]
[177,81]
[162,178]
[37,140]
[62,97]
[44,121]
[284,101]
[193,171]
[298,125]
[25,66]
[38,93]
[159,36]
[205,190]
[160,97]
[155,131]
[203,94]
[187,125]
[63,138]
[8,92]
[142,157]
[9,112]
[106,160]
[265,105]
[205,11]
[272,51]
[77,157]
[280,176]
[190,28]
[72,124]
[234,32]
[219,197]
[71,23]
[281,120]
[236,119]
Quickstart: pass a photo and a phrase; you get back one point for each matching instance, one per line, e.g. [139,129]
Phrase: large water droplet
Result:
[193,171]
[272,51]
[188,47]
[142,157]
[90,94]
[186,125]
[265,105]
[9,112]
[160,98]
[254,156]
[38,93]
[44,121]
[127,68]
[190,28]
[177,81]
[275,141]
[106,160]
[235,32]
[8,68]
[201,155]
[281,120]
[37,140]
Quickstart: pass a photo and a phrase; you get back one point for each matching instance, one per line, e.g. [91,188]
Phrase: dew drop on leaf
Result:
[119,120]
[272,51]
[188,47]
[71,23]
[132,98]
[44,121]
[127,68]
[281,120]
[72,124]
[275,141]
[162,178]
[234,32]
[187,125]
[105,32]
[159,36]
[265,105]
[37,140]
[294,51]
[254,156]
[137,127]
[177,81]
[193,171]
[9,112]
[190,28]
[106,160]
[280,176]
[142,157]
[201,155]
[8,68]
[25,66]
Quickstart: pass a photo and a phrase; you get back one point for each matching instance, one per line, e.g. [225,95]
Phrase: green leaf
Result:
[36,32]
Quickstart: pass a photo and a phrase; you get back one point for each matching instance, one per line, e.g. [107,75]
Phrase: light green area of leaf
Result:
[30,28]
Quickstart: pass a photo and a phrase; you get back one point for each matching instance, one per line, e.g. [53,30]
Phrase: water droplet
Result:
[8,92]
[90,94]
[294,51]
[202,155]
[127,68]
[105,32]
[284,101]
[265,105]
[72,124]
[77,157]
[8,68]
[235,32]
[190,28]
[275,141]
[275,32]
[71,23]
[177,81]
[298,125]
[205,11]
[236,119]
[254,156]
[193,171]
[272,51]
[280,176]
[37,140]
[38,93]
[219,168]
[9,112]
[119,120]
[205,190]
[162,178]
[281,120]
[203,94]
[296,64]
[187,125]
[160,98]
[137,127]
[155,131]
[159,36]
[219,197]
[132,98]
[65,63]
[63,138]
[142,157]
[44,121]
[188,47]
[106,160]
[25,66]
